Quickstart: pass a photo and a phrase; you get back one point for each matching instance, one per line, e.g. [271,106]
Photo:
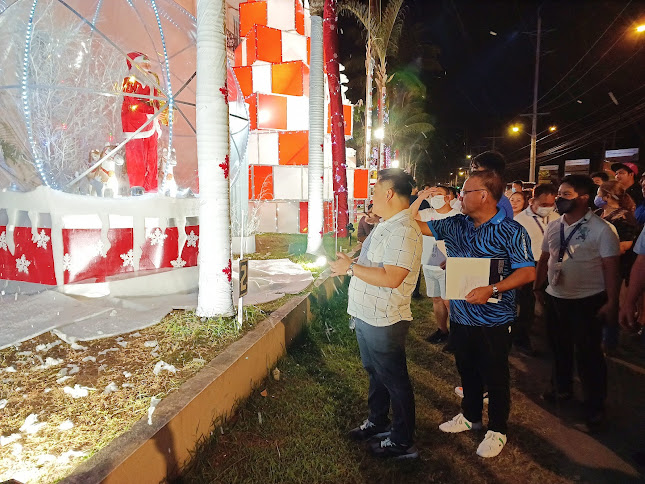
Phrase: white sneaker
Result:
[459,423]
[459,391]
[492,444]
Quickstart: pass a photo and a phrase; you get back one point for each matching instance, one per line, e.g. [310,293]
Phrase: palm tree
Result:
[409,123]
[215,287]
[383,33]
[339,166]
[316,129]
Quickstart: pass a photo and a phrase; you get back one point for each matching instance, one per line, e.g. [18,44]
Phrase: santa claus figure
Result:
[140,102]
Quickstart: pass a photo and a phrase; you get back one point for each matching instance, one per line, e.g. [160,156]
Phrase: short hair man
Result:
[433,259]
[580,255]
[599,177]
[382,281]
[517,186]
[627,174]
[480,330]
[535,219]
[495,162]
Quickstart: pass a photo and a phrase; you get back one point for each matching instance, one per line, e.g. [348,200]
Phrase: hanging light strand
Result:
[38,163]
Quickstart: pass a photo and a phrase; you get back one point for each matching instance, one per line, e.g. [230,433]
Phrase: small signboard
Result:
[577,167]
[548,174]
[244,277]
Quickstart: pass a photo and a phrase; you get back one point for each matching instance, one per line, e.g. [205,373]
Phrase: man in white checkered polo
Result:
[383,279]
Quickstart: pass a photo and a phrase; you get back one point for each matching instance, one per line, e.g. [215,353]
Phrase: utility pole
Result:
[533,154]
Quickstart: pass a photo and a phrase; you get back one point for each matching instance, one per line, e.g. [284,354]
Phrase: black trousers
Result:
[575,334]
[481,353]
[524,321]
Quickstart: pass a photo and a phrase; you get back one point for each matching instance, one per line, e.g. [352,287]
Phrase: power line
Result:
[586,53]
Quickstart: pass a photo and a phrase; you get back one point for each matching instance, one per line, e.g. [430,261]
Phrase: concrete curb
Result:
[150,453]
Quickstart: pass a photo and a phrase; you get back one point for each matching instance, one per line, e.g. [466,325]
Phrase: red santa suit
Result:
[141,150]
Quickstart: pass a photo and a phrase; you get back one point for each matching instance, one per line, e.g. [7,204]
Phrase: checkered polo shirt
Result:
[395,242]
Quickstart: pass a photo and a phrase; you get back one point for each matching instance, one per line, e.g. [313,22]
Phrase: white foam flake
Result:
[24,353]
[77,347]
[66,425]
[154,401]
[162,365]
[43,459]
[9,439]
[89,358]
[122,343]
[127,374]
[135,335]
[66,456]
[49,361]
[78,391]
[31,425]
[151,344]
[10,369]
[44,348]
[111,388]
[102,368]
[105,352]
[63,379]
[3,403]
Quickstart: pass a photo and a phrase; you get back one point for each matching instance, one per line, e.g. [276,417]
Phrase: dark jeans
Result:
[482,358]
[574,330]
[524,321]
[383,356]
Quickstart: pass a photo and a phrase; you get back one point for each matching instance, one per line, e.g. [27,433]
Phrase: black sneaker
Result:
[388,449]
[368,430]
[438,337]
[552,396]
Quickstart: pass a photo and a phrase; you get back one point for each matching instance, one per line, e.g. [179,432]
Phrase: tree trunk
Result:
[215,288]
[339,164]
[316,137]
[369,69]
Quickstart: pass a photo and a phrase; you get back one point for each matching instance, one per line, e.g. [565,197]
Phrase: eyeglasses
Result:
[464,192]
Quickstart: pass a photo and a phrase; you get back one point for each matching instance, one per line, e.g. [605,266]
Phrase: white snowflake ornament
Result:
[40,239]
[3,241]
[157,237]
[67,262]
[128,258]
[192,239]
[178,262]
[23,264]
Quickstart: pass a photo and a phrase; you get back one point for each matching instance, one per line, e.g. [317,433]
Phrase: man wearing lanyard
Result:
[534,219]
[580,258]
[480,329]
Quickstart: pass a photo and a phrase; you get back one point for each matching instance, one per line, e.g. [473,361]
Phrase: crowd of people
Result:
[576,251]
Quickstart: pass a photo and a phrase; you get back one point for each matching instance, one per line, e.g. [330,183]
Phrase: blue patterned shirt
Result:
[498,238]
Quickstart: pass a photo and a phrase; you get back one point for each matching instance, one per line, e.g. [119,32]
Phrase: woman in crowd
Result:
[617,208]
[518,202]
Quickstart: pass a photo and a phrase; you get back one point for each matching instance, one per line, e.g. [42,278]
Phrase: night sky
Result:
[483,82]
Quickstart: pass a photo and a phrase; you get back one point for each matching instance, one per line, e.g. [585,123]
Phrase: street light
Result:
[640,28]
[515,128]
[552,128]
[379,133]
[468,157]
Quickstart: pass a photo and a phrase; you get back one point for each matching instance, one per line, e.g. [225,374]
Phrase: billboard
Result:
[577,167]
[619,156]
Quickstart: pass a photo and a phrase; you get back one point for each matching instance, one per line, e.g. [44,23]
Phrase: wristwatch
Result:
[350,269]
[495,292]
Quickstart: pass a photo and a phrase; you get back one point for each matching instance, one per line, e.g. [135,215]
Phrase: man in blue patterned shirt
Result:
[481,329]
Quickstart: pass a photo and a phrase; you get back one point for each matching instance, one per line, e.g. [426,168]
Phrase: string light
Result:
[25,97]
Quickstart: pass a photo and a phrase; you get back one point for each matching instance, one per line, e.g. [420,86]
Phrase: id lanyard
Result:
[564,244]
[538,224]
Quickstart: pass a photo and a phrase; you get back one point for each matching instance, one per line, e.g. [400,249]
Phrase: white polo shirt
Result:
[536,227]
[581,275]
[394,242]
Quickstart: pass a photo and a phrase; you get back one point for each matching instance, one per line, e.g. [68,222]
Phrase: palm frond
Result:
[392,15]
[360,11]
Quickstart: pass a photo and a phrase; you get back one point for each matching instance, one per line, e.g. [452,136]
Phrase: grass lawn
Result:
[295,433]
[29,386]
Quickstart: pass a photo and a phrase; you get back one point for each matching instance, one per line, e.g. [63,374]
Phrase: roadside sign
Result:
[244,277]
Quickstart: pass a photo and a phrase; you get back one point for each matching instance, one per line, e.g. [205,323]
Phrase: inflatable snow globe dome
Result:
[98,96]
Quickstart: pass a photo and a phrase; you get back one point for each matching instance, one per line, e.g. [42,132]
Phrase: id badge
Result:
[557,272]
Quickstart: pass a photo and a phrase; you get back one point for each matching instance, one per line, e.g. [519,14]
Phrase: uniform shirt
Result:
[433,252]
[394,242]
[498,238]
[536,227]
[581,273]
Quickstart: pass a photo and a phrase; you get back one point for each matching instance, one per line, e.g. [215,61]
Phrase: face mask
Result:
[565,205]
[544,211]
[437,202]
[455,204]
[599,202]
[513,190]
